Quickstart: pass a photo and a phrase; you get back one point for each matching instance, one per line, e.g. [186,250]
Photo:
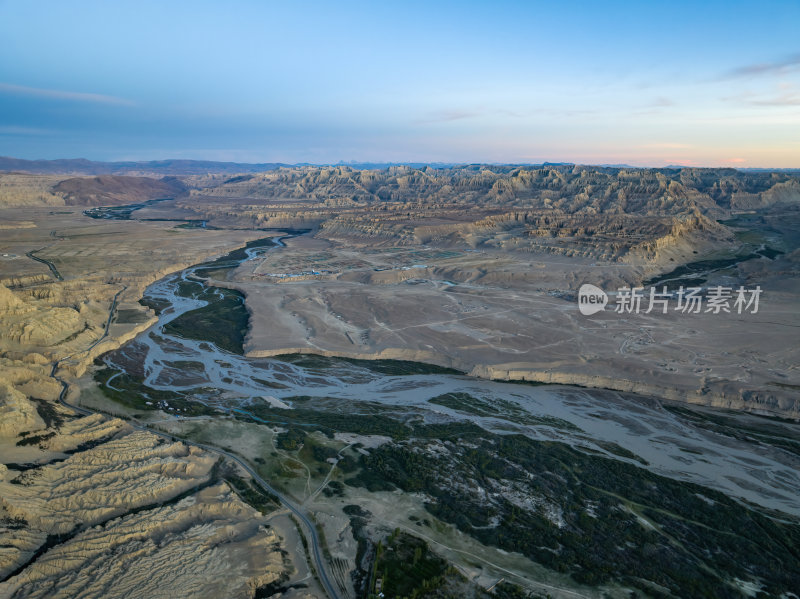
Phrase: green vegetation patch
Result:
[508,590]
[691,273]
[406,567]
[290,440]
[596,518]
[49,413]
[620,451]
[156,304]
[131,392]
[224,321]
[196,224]
[498,408]
[386,367]
[776,434]
[189,288]
[333,489]
[36,439]
[252,494]
[130,316]
[331,415]
[269,384]
[187,365]
[329,422]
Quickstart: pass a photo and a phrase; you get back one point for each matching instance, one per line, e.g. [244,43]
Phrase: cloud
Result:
[788,97]
[448,115]
[655,106]
[58,94]
[782,100]
[445,116]
[661,102]
[790,63]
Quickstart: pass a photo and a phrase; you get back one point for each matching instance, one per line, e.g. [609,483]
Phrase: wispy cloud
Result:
[785,96]
[778,67]
[661,102]
[446,116]
[782,100]
[455,114]
[656,106]
[58,94]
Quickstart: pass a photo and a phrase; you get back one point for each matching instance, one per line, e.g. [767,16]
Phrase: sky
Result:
[646,83]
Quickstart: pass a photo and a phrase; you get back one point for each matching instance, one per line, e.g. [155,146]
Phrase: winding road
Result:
[316,554]
[49,264]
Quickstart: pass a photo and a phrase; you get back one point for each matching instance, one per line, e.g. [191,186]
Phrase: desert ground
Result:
[90,486]
[144,399]
[515,317]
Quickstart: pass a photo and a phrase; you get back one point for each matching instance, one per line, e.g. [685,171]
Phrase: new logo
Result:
[591,299]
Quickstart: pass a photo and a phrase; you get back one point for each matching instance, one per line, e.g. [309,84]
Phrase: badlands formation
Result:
[477,269]
[77,491]
[474,268]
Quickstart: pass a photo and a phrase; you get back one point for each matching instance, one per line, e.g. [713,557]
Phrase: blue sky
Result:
[645,83]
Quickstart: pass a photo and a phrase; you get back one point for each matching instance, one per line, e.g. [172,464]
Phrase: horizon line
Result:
[389,163]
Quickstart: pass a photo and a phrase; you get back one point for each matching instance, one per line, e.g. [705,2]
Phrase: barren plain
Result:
[254,384]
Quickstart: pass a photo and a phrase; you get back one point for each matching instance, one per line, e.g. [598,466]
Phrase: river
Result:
[667,441]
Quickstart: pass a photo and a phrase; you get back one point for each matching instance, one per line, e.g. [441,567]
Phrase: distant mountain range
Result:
[81,166]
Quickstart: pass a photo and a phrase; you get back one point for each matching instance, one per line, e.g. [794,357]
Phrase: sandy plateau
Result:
[79,493]
[473,268]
